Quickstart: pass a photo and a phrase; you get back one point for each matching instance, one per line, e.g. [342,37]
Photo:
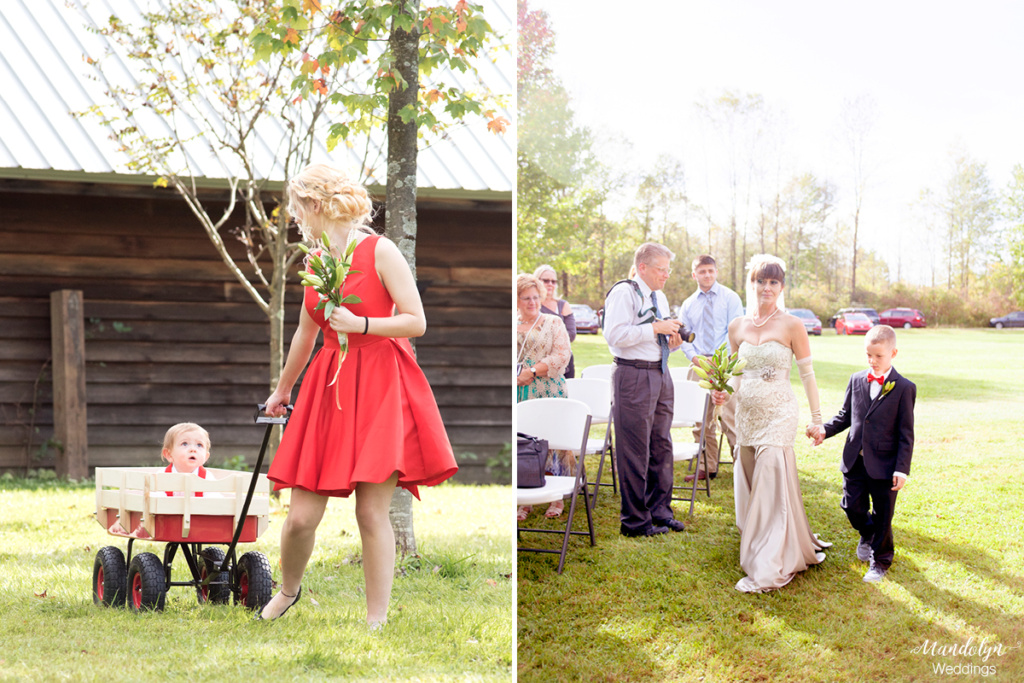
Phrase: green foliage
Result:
[354,37]
[235,462]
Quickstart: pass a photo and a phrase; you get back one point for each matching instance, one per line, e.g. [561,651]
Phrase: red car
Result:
[853,323]
[902,317]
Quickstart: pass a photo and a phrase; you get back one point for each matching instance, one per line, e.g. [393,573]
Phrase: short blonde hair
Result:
[177,430]
[648,251]
[881,334]
[341,197]
[766,267]
[525,281]
[543,269]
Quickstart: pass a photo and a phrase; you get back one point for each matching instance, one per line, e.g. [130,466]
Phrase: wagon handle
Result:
[258,418]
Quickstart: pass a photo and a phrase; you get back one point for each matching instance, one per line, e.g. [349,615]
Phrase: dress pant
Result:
[711,433]
[875,527]
[642,413]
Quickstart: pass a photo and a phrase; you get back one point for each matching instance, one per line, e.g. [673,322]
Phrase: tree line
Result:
[754,203]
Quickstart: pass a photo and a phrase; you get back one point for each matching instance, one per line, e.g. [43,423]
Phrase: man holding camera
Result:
[640,340]
[708,312]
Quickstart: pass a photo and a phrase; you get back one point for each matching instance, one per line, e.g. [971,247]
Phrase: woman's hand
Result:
[344,320]
[719,397]
[525,377]
[276,403]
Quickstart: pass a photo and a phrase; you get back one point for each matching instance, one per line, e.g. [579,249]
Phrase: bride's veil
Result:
[755,263]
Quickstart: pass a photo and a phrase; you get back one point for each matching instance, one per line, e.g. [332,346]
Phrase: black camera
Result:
[683,330]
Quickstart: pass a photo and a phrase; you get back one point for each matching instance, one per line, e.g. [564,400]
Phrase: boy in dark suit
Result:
[878,409]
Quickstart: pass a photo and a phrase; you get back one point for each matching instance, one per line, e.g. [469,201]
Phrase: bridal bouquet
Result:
[326,275]
[716,371]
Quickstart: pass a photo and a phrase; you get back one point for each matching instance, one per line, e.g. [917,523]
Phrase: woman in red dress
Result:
[377,425]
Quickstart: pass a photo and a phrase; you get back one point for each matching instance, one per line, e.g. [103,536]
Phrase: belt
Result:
[641,364]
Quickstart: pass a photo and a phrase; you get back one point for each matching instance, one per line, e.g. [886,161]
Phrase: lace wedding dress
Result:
[776,538]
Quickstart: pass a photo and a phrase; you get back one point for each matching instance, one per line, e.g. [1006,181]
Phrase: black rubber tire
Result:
[109,577]
[907,326]
[147,587]
[210,563]
[254,581]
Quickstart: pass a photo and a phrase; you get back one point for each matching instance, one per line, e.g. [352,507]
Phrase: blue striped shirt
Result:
[726,308]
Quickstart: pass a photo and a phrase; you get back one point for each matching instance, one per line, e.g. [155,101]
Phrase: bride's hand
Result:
[719,397]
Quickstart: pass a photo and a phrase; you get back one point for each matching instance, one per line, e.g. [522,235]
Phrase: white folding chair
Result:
[691,404]
[598,372]
[679,373]
[597,394]
[565,424]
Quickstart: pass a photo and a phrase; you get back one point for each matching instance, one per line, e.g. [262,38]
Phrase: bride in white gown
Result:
[776,538]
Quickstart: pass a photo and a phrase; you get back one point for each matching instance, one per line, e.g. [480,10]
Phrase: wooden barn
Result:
[118,317]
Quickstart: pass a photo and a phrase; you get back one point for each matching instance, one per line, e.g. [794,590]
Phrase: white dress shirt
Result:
[726,307]
[627,337]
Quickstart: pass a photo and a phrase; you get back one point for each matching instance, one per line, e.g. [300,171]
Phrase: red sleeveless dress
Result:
[388,420]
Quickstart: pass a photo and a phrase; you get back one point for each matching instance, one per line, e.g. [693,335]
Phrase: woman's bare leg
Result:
[297,538]
[372,504]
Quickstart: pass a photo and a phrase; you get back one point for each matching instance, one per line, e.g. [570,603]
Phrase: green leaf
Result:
[408,113]
[351,299]
[328,309]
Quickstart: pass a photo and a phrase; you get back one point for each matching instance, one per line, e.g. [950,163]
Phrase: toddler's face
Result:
[188,452]
[880,357]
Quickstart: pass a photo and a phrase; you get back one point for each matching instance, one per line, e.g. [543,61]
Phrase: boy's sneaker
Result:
[864,552]
[875,573]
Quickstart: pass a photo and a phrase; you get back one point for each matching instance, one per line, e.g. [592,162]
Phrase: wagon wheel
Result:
[109,577]
[254,581]
[147,588]
[217,592]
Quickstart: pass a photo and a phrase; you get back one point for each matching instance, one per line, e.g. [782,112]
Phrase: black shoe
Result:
[672,524]
[259,615]
[712,475]
[649,531]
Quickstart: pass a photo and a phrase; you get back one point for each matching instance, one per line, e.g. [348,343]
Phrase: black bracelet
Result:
[366,325]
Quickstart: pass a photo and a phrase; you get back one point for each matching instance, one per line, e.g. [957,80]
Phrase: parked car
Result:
[853,323]
[871,313]
[1015,319]
[902,317]
[586,319]
[810,321]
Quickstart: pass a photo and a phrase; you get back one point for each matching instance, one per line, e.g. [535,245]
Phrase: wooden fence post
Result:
[69,424]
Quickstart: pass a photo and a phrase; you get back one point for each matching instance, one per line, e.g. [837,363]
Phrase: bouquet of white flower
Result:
[716,371]
[326,275]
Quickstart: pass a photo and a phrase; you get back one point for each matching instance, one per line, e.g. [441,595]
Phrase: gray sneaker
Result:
[875,573]
[863,552]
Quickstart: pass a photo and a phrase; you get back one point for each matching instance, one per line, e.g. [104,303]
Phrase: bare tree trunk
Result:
[400,204]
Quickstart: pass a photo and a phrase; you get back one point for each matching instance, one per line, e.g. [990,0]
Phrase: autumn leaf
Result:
[360,25]
[311,6]
[433,96]
[297,99]
[492,582]
[461,6]
[40,595]
[292,36]
[460,26]
[428,24]
[320,86]
[160,182]
[497,125]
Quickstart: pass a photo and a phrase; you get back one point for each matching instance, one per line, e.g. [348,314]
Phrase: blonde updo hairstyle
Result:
[341,198]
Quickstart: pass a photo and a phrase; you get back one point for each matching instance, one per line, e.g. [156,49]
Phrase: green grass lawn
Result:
[450,620]
[666,608]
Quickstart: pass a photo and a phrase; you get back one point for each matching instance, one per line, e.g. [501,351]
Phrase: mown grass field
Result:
[450,620]
[666,608]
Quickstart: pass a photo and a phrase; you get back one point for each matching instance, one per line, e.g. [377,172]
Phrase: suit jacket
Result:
[883,429]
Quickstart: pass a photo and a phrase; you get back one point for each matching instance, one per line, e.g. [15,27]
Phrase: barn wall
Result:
[171,337]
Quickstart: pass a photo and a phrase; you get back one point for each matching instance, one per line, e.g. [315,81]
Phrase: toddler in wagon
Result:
[186,448]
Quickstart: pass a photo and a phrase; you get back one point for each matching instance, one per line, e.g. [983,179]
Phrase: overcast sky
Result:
[939,73]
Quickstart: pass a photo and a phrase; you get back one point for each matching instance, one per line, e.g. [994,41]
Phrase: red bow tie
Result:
[872,378]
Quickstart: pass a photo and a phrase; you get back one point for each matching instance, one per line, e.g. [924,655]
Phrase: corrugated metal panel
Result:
[43,77]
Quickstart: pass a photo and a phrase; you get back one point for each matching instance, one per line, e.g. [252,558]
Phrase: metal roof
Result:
[44,77]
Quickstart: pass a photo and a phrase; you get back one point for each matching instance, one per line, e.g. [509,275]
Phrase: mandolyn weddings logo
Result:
[969,658]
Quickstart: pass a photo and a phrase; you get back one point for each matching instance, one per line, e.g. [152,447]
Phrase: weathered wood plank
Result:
[69,406]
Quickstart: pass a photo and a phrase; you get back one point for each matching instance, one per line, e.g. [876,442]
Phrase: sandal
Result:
[555,509]
[523,512]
